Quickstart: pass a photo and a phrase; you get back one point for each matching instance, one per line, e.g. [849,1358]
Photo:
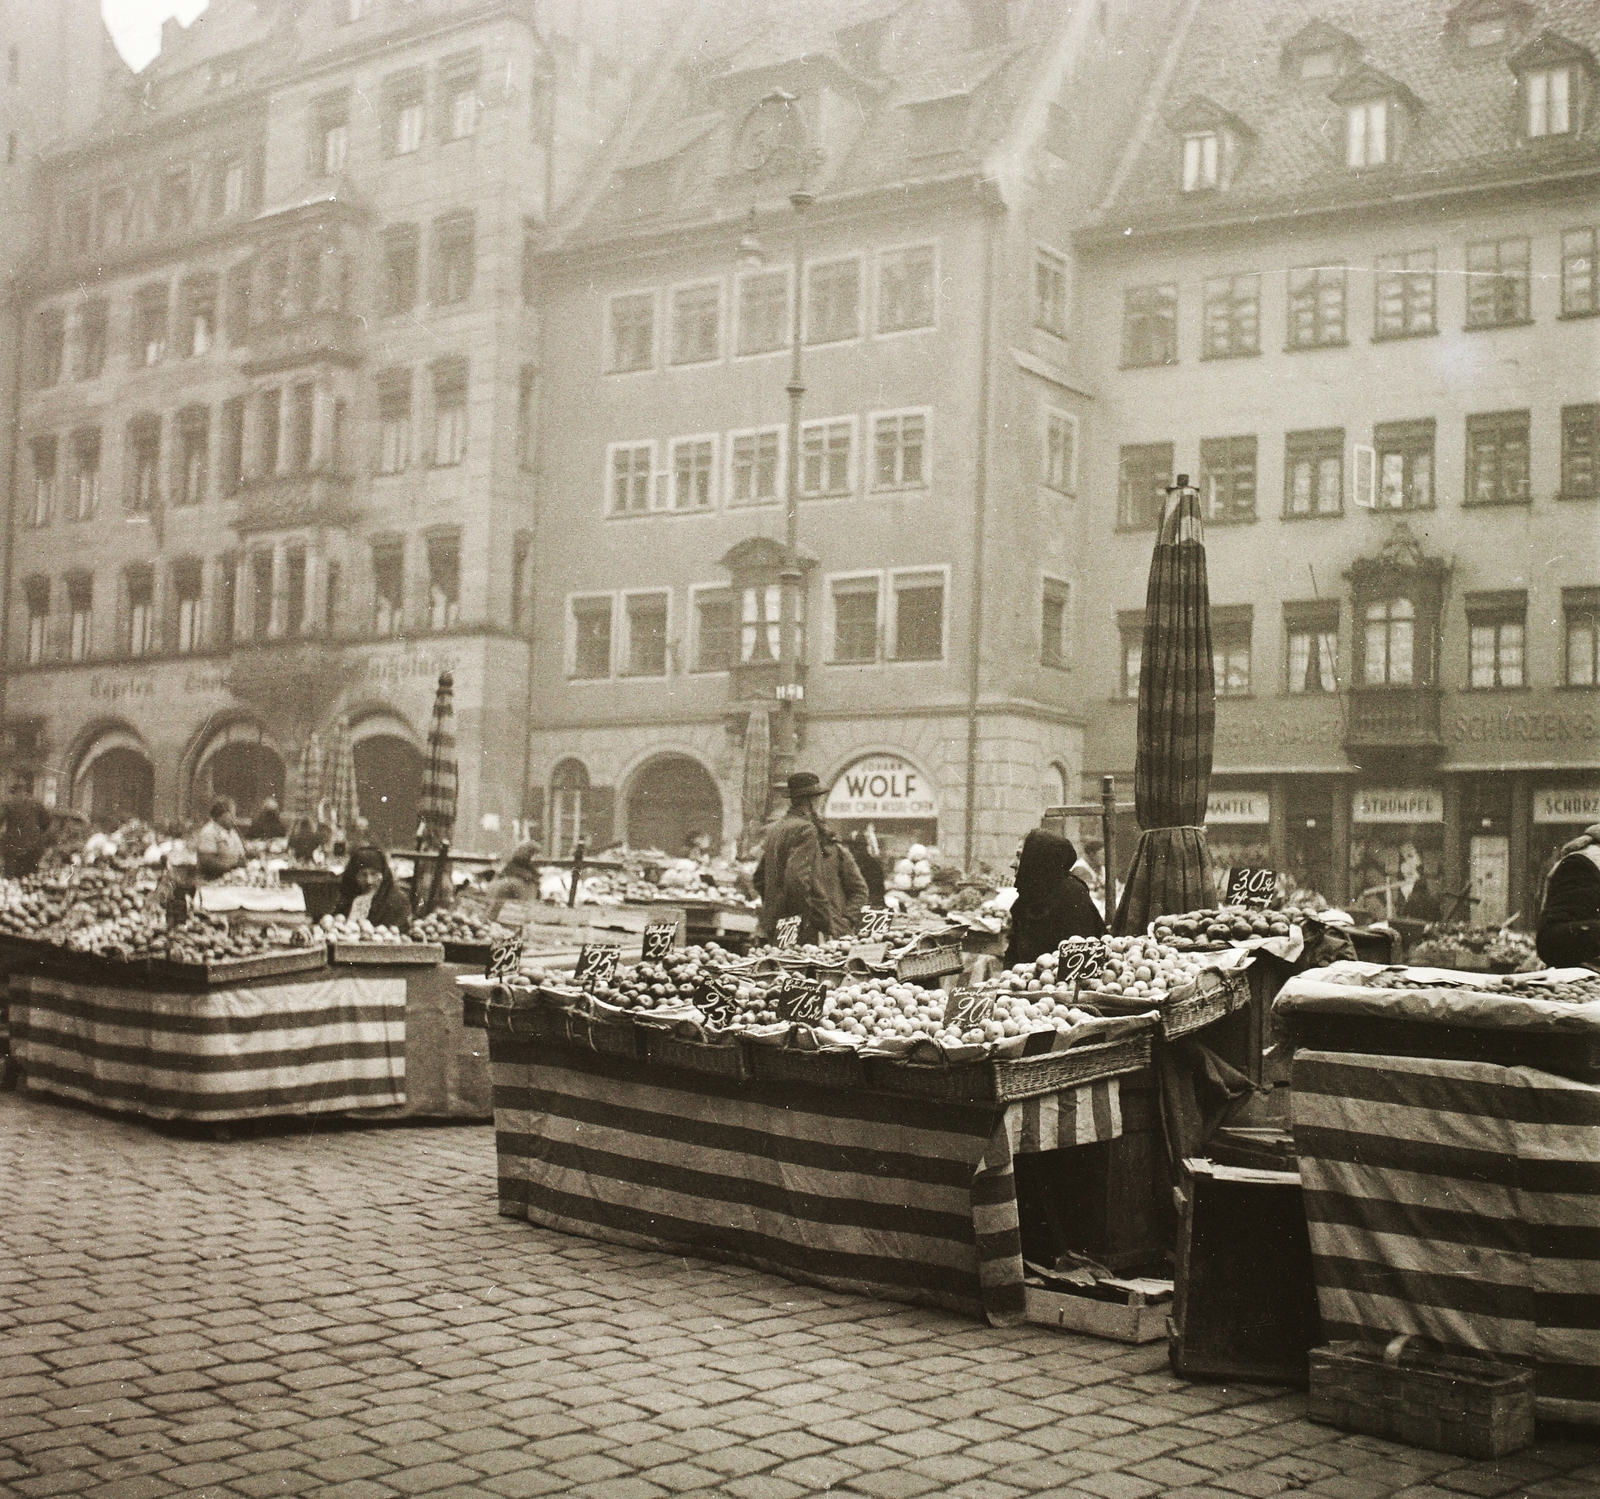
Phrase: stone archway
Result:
[388,783]
[672,798]
[115,781]
[240,763]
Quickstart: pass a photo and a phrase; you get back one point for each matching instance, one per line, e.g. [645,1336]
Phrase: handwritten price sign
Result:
[797,998]
[1251,887]
[505,960]
[968,1007]
[788,931]
[660,937]
[874,924]
[1080,958]
[718,999]
[597,964]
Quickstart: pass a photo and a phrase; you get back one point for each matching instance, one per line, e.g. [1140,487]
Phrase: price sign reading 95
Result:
[1080,958]
[788,931]
[660,937]
[505,960]
[597,964]
[718,999]
[874,924]
[1251,887]
[797,998]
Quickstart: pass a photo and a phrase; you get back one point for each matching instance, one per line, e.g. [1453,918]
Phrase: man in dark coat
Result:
[1569,920]
[1052,903]
[802,871]
[870,865]
[24,830]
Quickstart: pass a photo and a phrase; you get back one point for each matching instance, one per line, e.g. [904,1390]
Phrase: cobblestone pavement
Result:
[342,1313]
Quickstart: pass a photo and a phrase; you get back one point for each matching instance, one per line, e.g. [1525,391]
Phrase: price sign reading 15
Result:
[1251,887]
[797,998]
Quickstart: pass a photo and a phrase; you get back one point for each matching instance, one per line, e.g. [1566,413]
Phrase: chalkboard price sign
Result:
[660,937]
[797,998]
[1080,958]
[505,960]
[1251,887]
[597,964]
[788,931]
[874,924]
[718,999]
[968,1007]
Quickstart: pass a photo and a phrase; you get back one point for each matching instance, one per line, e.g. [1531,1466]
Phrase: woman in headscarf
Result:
[367,891]
[1052,903]
[1569,919]
[870,865]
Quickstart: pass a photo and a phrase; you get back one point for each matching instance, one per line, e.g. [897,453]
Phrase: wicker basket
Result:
[830,1067]
[717,1058]
[612,1035]
[1003,1080]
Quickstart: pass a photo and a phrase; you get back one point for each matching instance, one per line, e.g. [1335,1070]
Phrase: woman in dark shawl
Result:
[1052,903]
[367,891]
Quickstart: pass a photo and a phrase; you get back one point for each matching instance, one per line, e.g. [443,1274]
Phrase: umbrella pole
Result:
[438,874]
[1108,825]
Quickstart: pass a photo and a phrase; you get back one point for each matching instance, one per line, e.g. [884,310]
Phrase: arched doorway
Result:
[570,812]
[671,799]
[388,783]
[116,781]
[246,771]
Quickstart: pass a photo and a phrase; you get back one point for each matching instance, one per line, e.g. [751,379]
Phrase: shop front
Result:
[1239,830]
[1397,846]
[1560,813]
[888,798]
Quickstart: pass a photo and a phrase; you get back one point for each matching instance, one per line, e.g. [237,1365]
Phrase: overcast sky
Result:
[136,24]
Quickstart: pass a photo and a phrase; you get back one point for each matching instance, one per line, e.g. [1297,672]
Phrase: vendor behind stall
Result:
[218,846]
[367,891]
[268,822]
[24,830]
[1052,902]
[306,839]
[1569,920]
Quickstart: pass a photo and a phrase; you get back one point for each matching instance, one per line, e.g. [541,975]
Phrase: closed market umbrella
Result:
[339,782]
[757,771]
[436,807]
[305,789]
[1177,720]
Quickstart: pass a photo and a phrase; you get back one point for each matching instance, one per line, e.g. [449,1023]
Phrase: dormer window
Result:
[1367,134]
[1553,78]
[1487,33]
[1318,51]
[1377,109]
[1212,143]
[1548,92]
[1199,161]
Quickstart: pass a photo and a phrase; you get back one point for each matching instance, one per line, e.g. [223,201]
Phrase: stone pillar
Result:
[1343,789]
[280,590]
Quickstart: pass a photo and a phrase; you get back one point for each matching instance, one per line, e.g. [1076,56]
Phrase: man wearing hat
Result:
[806,872]
[1569,918]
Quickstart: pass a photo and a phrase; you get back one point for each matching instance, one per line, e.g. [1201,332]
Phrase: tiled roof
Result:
[1462,125]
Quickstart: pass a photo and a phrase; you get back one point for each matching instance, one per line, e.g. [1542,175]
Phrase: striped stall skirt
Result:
[878,1195]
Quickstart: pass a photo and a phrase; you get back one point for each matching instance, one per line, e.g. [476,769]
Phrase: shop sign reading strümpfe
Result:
[1567,804]
[883,787]
[1238,806]
[1398,804]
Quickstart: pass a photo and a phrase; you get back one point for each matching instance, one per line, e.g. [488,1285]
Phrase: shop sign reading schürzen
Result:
[882,786]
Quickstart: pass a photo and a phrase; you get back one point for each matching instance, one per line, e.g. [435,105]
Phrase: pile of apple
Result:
[833,950]
[1217,926]
[1141,969]
[209,939]
[348,929]
[674,982]
[452,926]
[121,937]
[46,906]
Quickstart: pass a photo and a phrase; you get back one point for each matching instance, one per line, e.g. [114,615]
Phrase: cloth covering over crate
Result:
[905,1198]
[288,1046]
[1460,1201]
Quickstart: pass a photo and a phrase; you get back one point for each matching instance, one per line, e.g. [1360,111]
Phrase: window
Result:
[394,420]
[855,620]
[404,112]
[86,473]
[200,315]
[647,634]
[230,460]
[905,289]
[186,590]
[1050,293]
[632,466]
[633,320]
[1497,459]
[1150,325]
[92,339]
[1231,627]
[763,312]
[759,621]
[239,302]
[1061,451]
[77,226]
[591,638]
[693,464]
[80,603]
[44,480]
[1580,452]
[232,187]
[1232,317]
[899,445]
[1228,479]
[1054,619]
[696,324]
[1130,634]
[273,303]
[1405,292]
[755,466]
[449,412]
[1580,610]
[453,258]
[833,296]
[261,595]
[1313,472]
[227,605]
[1405,465]
[399,290]
[919,616]
[112,217]
[388,587]
[52,345]
[141,611]
[1366,138]
[716,630]
[269,432]
[1497,283]
[149,324]
[1489,32]
[294,591]
[1580,291]
[194,448]
[37,591]
[527,385]
[144,455]
[1144,474]
[825,458]
[1547,93]
[302,410]
[330,135]
[1311,638]
[573,813]
[444,581]
[1496,639]
[1388,643]
[1199,161]
[459,87]
[172,200]
[1316,306]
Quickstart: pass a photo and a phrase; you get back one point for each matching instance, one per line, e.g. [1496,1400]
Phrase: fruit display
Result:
[646,876]
[1564,991]
[674,983]
[350,929]
[454,926]
[832,951]
[881,1010]
[1456,944]
[48,906]
[1141,969]
[212,939]
[1216,927]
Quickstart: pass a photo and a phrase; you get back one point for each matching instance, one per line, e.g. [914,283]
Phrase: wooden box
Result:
[1473,1407]
[1124,1311]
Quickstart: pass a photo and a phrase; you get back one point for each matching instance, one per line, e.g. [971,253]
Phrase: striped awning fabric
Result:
[1459,1201]
[303,1047]
[902,1198]
[437,803]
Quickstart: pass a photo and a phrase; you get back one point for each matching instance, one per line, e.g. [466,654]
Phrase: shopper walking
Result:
[805,871]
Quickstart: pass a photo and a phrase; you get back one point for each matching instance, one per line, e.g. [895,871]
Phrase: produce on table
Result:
[1140,969]
[1217,926]
[454,926]
[348,929]
[881,1009]
[1566,991]
[673,984]
[647,875]
[209,939]
[1456,944]
[51,904]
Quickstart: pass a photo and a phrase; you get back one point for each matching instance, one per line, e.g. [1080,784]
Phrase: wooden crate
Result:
[407,954]
[1124,1311]
[1005,1080]
[165,973]
[1469,1406]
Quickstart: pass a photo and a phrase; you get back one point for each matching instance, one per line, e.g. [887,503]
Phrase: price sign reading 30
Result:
[1251,887]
